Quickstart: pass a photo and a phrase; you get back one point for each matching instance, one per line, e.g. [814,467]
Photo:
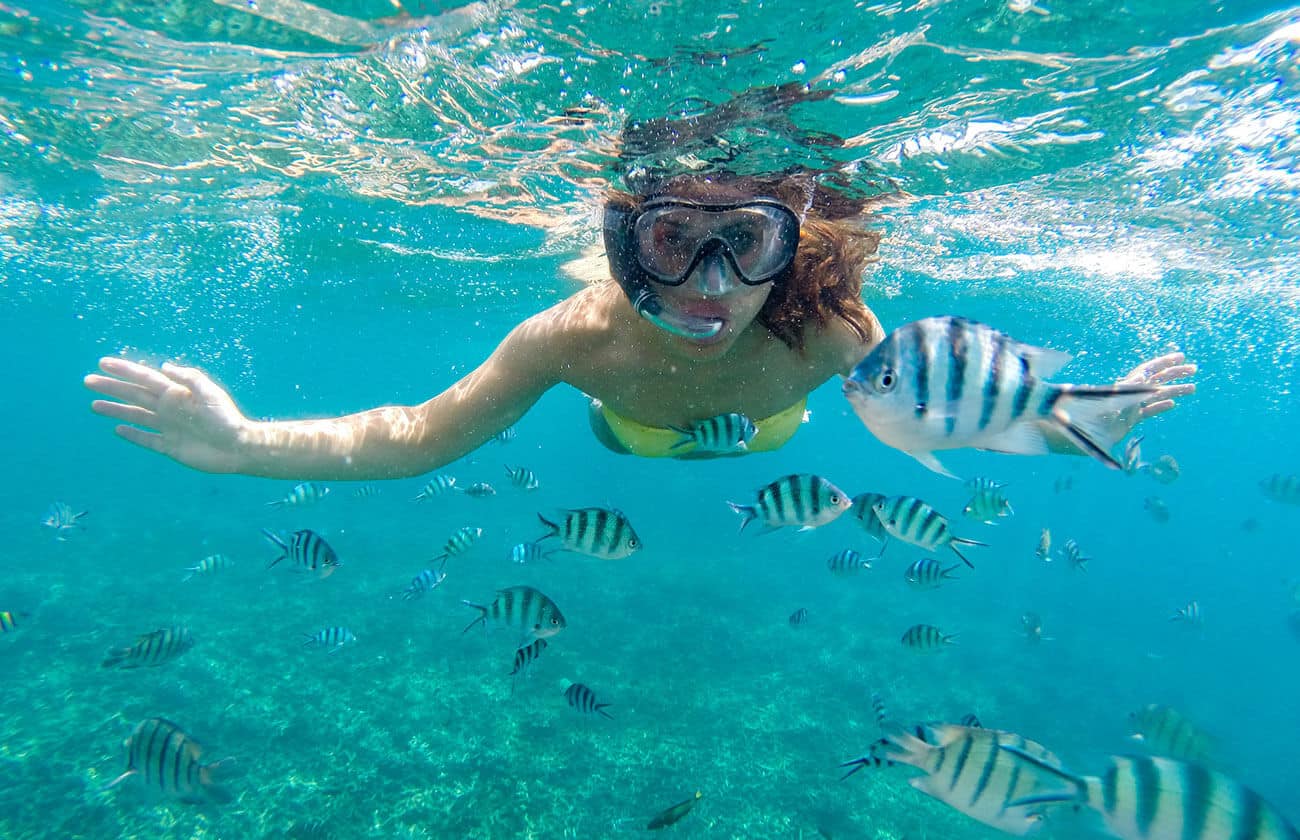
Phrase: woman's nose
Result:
[713,275]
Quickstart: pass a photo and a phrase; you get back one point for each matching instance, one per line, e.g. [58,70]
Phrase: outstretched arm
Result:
[181,413]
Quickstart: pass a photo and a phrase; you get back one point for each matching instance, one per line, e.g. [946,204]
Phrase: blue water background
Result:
[286,297]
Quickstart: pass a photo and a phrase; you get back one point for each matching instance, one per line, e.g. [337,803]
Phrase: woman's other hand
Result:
[1164,372]
[178,411]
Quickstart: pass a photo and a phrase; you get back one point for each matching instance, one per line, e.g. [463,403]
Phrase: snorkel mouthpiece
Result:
[649,306]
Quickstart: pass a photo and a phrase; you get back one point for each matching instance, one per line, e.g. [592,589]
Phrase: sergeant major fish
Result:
[437,486]
[988,506]
[1190,614]
[307,493]
[480,490]
[1166,731]
[928,573]
[62,519]
[799,617]
[947,383]
[583,699]
[1143,798]
[1282,488]
[170,763]
[846,561]
[306,549]
[523,478]
[913,521]
[726,433]
[426,581]
[152,649]
[526,654]
[866,516]
[209,565]
[528,552]
[596,532]
[331,638]
[1073,555]
[808,501]
[926,637]
[458,543]
[523,607]
[1044,550]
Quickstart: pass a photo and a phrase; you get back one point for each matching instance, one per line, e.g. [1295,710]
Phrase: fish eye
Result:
[555,621]
[632,542]
[885,380]
[835,498]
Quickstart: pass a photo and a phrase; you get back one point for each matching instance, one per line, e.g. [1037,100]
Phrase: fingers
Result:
[191,378]
[135,373]
[126,413]
[1171,373]
[149,440]
[1170,391]
[127,392]
[1152,409]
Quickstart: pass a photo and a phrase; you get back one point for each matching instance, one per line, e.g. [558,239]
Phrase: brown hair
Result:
[825,279]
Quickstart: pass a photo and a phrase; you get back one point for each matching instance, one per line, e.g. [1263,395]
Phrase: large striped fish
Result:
[523,607]
[1143,798]
[863,505]
[1282,488]
[948,383]
[152,649]
[596,532]
[803,500]
[966,769]
[169,762]
[305,549]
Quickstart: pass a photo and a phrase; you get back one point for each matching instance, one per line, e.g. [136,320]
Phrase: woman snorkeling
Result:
[728,295]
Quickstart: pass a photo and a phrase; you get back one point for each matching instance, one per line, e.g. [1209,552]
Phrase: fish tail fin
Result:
[903,746]
[950,638]
[1081,414]
[277,503]
[947,574]
[116,657]
[279,543]
[600,710]
[552,530]
[308,640]
[441,560]
[482,616]
[687,436]
[868,760]
[210,776]
[956,541]
[747,513]
[1078,783]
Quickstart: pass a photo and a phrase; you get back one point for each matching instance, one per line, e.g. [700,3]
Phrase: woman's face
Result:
[712,290]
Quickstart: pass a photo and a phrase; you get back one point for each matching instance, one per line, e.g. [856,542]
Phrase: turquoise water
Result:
[325,210]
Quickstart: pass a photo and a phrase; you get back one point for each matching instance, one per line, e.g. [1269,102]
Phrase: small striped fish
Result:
[1282,488]
[527,654]
[1142,798]
[1072,554]
[152,649]
[209,565]
[947,383]
[988,506]
[63,519]
[926,637]
[1132,460]
[966,768]
[437,486]
[1064,484]
[307,493]
[722,434]
[528,552]
[862,511]
[1190,614]
[979,484]
[595,532]
[523,607]
[9,620]
[366,491]
[506,435]
[305,549]
[583,699]
[523,478]
[846,561]
[480,490]
[913,521]
[803,500]
[330,638]
[799,617]
[928,573]
[459,543]
[170,763]
[1165,731]
[426,581]
[1164,469]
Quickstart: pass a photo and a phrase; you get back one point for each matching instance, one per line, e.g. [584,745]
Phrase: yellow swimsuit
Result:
[651,442]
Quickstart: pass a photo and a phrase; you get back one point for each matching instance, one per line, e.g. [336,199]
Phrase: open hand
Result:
[1163,371]
[177,411]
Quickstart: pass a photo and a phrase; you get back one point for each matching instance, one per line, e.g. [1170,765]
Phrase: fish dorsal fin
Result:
[1043,362]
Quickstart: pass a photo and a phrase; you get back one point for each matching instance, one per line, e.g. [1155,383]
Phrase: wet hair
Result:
[825,279]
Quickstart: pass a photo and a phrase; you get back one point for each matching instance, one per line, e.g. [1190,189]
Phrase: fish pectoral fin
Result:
[932,463]
[1022,438]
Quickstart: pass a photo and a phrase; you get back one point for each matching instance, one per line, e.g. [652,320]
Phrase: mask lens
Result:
[759,239]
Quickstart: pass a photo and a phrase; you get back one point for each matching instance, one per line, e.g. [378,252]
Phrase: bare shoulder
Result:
[837,347]
[576,327]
